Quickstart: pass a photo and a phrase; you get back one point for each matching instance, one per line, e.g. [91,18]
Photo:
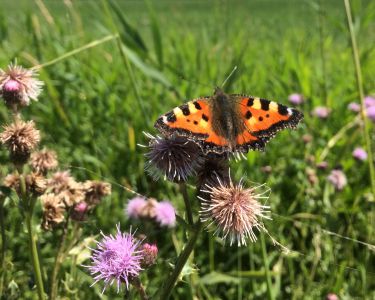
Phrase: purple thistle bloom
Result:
[165,214]
[296,99]
[116,259]
[371,113]
[338,179]
[135,207]
[360,153]
[369,101]
[321,112]
[354,107]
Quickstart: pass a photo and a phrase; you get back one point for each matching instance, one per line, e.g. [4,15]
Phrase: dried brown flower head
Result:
[18,86]
[72,194]
[234,210]
[53,210]
[20,138]
[60,181]
[43,161]
[95,191]
[35,183]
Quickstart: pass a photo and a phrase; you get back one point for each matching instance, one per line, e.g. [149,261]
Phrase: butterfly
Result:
[228,123]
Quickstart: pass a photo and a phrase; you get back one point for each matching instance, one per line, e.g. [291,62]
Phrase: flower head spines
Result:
[43,161]
[234,210]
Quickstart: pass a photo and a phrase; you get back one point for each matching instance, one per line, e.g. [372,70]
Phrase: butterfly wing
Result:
[263,119]
[193,121]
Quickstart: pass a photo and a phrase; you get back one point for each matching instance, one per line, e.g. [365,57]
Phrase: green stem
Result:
[181,261]
[270,294]
[3,244]
[358,73]
[34,255]
[189,213]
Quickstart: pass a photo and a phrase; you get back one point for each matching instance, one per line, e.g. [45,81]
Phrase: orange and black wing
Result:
[263,119]
[193,121]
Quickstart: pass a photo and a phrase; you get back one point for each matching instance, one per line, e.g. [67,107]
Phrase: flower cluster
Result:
[369,102]
[120,259]
[162,212]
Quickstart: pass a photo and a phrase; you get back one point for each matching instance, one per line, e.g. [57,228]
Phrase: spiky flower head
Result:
[43,161]
[35,184]
[94,191]
[321,112]
[19,85]
[234,210]
[370,112]
[165,214]
[20,138]
[53,210]
[338,179]
[369,101]
[174,158]
[150,253]
[116,259]
[296,99]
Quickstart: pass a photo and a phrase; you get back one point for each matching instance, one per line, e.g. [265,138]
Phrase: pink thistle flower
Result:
[296,99]
[338,179]
[321,112]
[150,253]
[135,207]
[332,296]
[322,165]
[371,113]
[165,214]
[354,107]
[369,101]
[360,153]
[116,259]
[79,211]
[234,210]
[18,85]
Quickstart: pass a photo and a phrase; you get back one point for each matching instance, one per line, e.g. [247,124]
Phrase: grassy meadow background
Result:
[98,100]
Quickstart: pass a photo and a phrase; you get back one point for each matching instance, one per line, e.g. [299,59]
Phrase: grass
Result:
[101,92]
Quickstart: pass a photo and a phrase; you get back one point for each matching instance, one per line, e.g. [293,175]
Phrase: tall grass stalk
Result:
[358,74]
[270,294]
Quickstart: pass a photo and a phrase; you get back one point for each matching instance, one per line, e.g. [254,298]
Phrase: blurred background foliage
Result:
[97,102]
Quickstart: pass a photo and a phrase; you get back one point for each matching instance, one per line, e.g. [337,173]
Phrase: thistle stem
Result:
[140,288]
[358,73]
[181,261]
[3,245]
[270,294]
[189,213]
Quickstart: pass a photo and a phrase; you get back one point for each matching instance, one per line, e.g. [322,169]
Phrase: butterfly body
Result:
[226,123]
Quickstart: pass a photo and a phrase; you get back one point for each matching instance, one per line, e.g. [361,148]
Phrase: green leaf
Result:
[215,278]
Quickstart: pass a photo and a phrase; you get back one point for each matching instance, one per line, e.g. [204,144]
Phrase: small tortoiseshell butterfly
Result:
[226,123]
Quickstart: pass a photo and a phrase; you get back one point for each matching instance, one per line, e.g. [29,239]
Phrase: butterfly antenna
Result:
[229,76]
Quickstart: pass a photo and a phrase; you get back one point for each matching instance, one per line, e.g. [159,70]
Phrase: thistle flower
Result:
[322,165]
[369,101]
[53,211]
[370,112]
[165,214]
[338,179]
[116,259]
[95,191]
[18,86]
[296,99]
[360,153]
[266,169]
[332,296]
[212,168]
[43,161]
[175,158]
[321,112]
[354,107]
[234,210]
[79,211]
[64,185]
[35,183]
[150,253]
[60,181]
[135,207]
[20,138]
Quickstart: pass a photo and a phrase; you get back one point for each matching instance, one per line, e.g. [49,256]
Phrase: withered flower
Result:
[18,86]
[53,210]
[94,191]
[43,161]
[20,138]
[35,183]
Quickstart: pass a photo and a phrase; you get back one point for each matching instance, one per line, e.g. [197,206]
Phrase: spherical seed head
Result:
[174,158]
[43,161]
[95,190]
[135,206]
[359,153]
[20,138]
[234,211]
[338,179]
[370,112]
[116,259]
[53,211]
[18,86]
[296,99]
[150,253]
[321,112]
[165,214]
[354,107]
